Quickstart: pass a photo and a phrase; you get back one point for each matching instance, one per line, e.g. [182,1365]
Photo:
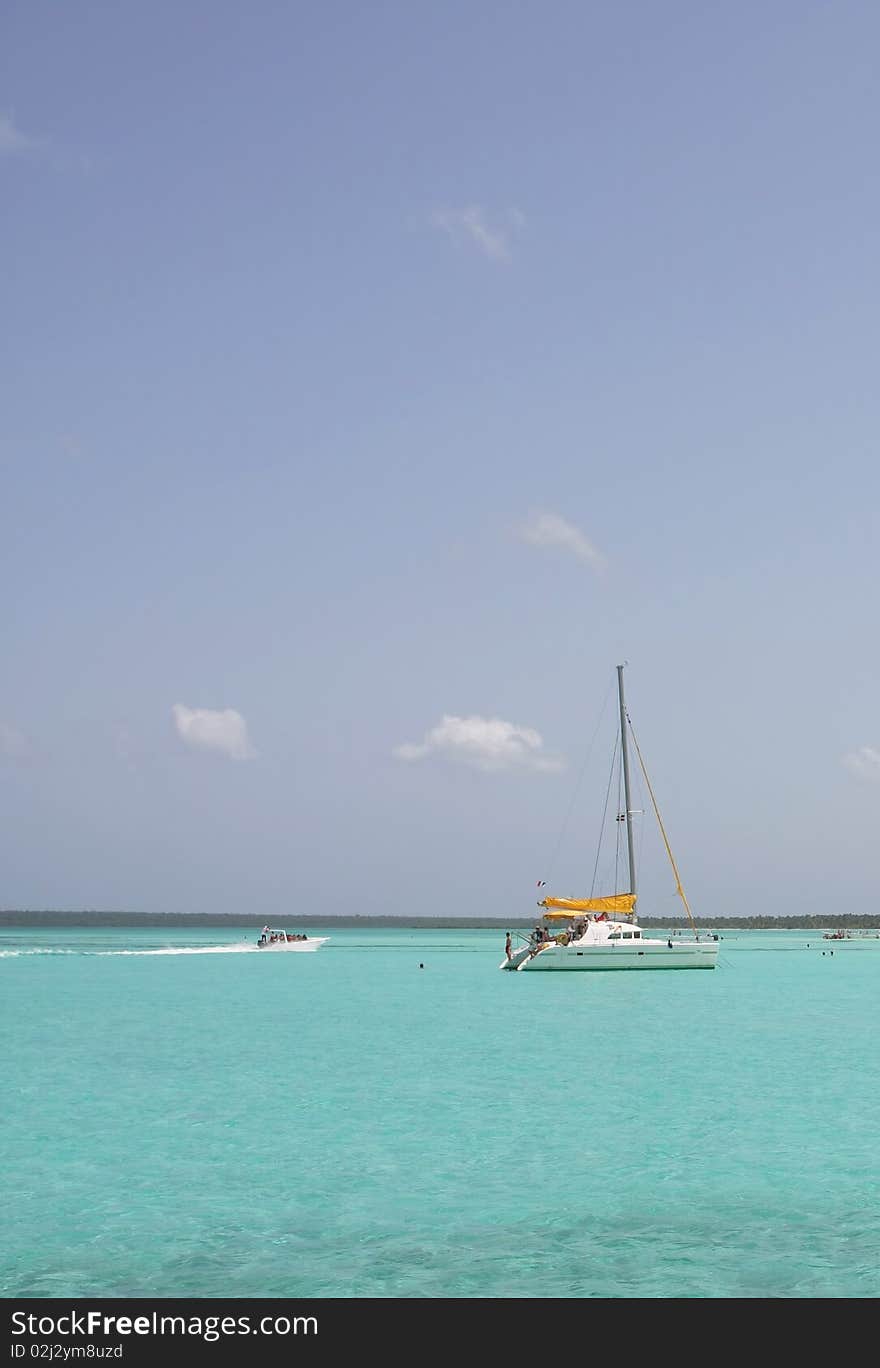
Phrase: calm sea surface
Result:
[183,1115]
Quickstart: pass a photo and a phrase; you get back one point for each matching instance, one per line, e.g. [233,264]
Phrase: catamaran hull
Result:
[562,958]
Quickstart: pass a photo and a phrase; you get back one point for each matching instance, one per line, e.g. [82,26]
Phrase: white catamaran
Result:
[592,936]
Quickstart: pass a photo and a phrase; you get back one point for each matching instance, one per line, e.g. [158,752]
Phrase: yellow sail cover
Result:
[617,902]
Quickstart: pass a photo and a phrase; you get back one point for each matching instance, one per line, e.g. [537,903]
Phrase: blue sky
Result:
[367,366]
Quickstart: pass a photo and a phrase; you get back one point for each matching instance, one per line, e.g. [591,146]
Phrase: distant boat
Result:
[273,939]
[587,933]
[842,934]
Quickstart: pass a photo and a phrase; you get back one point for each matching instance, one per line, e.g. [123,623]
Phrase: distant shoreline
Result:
[169,919]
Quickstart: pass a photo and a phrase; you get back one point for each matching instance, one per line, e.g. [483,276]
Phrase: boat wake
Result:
[184,950]
[243,949]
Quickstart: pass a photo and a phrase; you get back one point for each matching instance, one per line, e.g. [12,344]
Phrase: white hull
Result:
[558,958]
[612,945]
[287,947]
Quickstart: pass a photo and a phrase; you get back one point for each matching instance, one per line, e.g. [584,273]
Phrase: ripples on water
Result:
[187,1117]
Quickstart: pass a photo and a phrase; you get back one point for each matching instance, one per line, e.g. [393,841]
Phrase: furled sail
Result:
[617,902]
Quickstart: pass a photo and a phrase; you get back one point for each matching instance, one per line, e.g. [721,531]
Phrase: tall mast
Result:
[625,754]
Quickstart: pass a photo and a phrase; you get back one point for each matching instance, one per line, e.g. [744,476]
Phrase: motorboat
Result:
[271,938]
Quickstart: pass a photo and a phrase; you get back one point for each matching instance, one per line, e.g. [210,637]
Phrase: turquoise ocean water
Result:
[183,1115]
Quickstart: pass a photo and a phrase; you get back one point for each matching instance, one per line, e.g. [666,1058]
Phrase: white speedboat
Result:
[273,939]
[602,933]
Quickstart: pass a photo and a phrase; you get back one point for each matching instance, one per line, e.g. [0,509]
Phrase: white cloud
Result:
[13,744]
[214,729]
[470,226]
[865,762]
[488,743]
[548,529]
[12,140]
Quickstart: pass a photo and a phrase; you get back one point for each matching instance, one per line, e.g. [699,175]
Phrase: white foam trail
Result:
[244,949]
[45,950]
[183,950]
[165,950]
[239,949]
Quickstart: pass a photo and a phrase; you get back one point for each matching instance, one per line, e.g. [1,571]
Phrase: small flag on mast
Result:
[541,883]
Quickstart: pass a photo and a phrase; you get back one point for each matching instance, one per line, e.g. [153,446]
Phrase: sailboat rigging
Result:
[592,937]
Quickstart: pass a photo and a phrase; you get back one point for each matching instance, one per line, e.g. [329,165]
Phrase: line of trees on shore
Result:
[860,921]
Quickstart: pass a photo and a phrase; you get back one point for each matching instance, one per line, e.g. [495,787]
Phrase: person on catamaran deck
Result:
[508,950]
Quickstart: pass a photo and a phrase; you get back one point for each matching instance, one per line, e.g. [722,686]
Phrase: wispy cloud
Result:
[549,529]
[13,743]
[487,743]
[12,140]
[470,227]
[865,762]
[223,730]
